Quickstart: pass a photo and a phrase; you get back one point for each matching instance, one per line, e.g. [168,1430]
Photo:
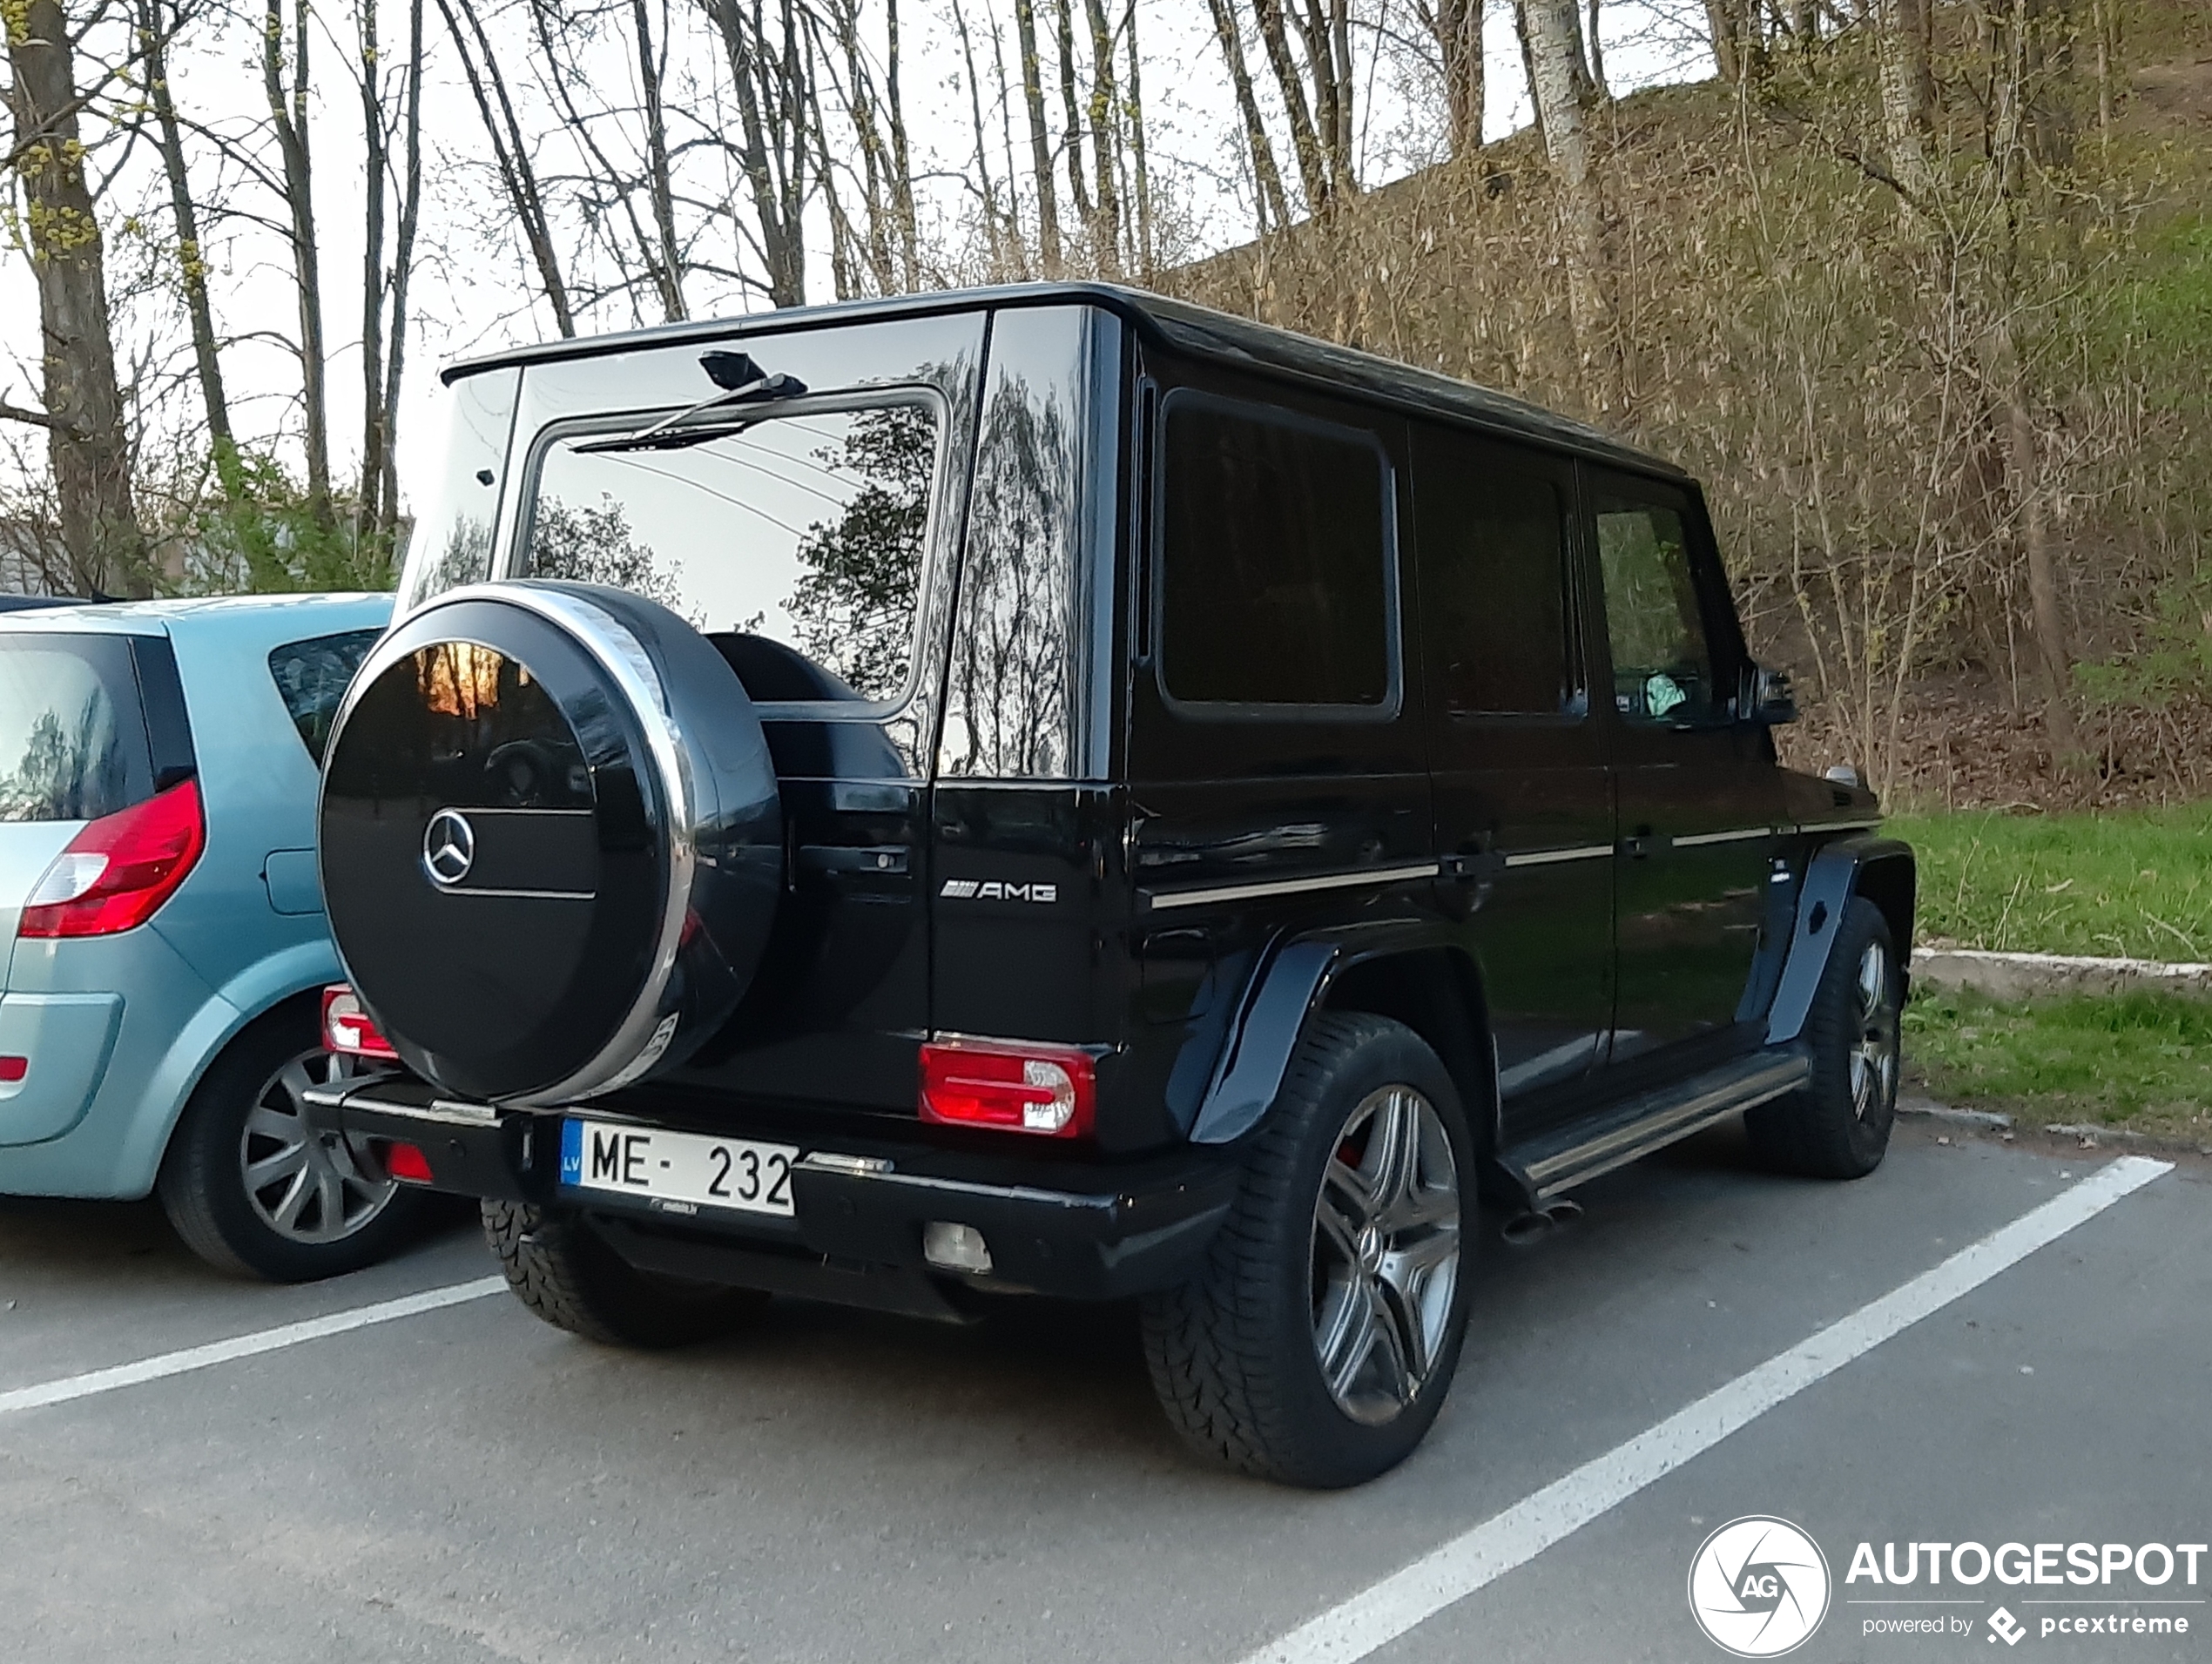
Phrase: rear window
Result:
[311,678]
[73,732]
[1275,560]
[802,534]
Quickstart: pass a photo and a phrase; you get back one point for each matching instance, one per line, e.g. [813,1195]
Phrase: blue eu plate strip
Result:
[572,1152]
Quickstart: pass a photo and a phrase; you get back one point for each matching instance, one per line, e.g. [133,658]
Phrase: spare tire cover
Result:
[551,841]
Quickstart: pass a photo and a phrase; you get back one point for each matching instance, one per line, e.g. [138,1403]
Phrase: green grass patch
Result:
[2133,883]
[2140,1061]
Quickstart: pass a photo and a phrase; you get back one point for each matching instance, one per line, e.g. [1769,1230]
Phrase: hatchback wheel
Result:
[1317,1340]
[252,1188]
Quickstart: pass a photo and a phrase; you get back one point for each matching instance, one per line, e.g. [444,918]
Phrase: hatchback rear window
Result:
[72,731]
[803,533]
[311,678]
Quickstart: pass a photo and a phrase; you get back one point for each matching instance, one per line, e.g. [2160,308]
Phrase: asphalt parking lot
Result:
[464,1483]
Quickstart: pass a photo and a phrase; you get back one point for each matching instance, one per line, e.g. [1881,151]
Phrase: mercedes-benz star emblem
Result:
[449,848]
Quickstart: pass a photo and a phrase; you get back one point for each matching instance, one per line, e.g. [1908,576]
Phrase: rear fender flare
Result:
[1881,869]
[1293,980]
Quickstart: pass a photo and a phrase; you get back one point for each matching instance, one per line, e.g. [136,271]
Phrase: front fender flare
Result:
[1291,982]
[1848,867]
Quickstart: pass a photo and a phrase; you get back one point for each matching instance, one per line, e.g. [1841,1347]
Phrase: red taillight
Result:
[118,869]
[13,1069]
[1043,1089]
[408,1163]
[348,1029]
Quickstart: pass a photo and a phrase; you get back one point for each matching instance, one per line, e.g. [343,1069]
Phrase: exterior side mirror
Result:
[1764,697]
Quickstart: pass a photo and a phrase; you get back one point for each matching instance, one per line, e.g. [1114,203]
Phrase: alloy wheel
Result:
[1874,1053]
[1385,1254]
[305,1185]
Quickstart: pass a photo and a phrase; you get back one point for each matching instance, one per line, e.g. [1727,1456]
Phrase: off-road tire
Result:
[1818,1131]
[565,1272]
[1232,1351]
[202,1186]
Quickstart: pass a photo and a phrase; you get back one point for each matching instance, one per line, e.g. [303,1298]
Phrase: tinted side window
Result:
[1493,581]
[72,731]
[1663,664]
[1276,559]
[311,679]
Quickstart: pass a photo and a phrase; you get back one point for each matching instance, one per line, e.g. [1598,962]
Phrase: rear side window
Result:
[1492,544]
[72,731]
[311,678]
[1277,560]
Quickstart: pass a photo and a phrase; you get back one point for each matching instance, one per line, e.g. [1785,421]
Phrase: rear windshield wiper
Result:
[745,383]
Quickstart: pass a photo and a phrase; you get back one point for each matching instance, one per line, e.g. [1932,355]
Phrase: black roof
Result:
[1176,324]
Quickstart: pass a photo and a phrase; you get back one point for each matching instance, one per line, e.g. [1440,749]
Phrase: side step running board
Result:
[1559,1159]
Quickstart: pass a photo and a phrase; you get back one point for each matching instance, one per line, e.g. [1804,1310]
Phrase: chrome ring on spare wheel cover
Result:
[1385,1254]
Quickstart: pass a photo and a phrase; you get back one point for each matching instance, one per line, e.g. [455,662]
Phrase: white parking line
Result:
[1381,1613]
[94,1382]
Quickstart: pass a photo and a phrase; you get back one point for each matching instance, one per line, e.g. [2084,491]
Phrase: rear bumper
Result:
[1083,1231]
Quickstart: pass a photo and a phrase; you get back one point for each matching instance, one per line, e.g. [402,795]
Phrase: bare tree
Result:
[1456,27]
[1025,24]
[511,154]
[1268,201]
[770,77]
[1562,98]
[283,50]
[87,445]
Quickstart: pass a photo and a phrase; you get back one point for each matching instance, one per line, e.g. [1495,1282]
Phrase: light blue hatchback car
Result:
[161,921]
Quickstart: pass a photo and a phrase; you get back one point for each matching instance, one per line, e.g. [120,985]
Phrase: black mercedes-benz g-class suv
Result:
[1055,791]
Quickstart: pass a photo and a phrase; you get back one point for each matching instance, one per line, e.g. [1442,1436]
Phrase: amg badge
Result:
[992,890]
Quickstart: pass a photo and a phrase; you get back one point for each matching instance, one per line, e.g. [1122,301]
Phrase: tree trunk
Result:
[667,260]
[993,225]
[1456,25]
[1141,167]
[86,443]
[192,260]
[902,171]
[288,120]
[1025,22]
[765,115]
[1597,45]
[1305,143]
[1071,119]
[1901,38]
[1528,66]
[511,155]
[368,507]
[1559,96]
[402,267]
[1105,140]
[1267,179]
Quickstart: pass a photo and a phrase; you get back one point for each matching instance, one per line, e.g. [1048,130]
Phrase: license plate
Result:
[682,1170]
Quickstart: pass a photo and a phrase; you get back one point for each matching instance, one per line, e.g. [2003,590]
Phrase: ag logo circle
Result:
[449,847]
[1758,1586]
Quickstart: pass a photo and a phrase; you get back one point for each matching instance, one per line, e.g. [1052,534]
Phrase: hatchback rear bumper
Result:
[1077,1230]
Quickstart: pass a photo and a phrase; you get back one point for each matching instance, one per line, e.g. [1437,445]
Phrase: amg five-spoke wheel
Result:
[1315,1343]
[1836,1125]
[1385,1258]
[1874,1059]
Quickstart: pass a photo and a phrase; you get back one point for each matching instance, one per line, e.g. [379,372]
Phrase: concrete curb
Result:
[2014,976]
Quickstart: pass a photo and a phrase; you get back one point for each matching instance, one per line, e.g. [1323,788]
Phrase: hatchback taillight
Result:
[1008,1084]
[347,1029]
[118,870]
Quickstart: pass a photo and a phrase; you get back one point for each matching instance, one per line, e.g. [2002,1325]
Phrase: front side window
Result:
[795,543]
[1662,664]
[73,741]
[1277,564]
[311,679]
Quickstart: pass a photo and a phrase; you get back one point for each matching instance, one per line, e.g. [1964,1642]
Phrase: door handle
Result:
[889,860]
[1638,844]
